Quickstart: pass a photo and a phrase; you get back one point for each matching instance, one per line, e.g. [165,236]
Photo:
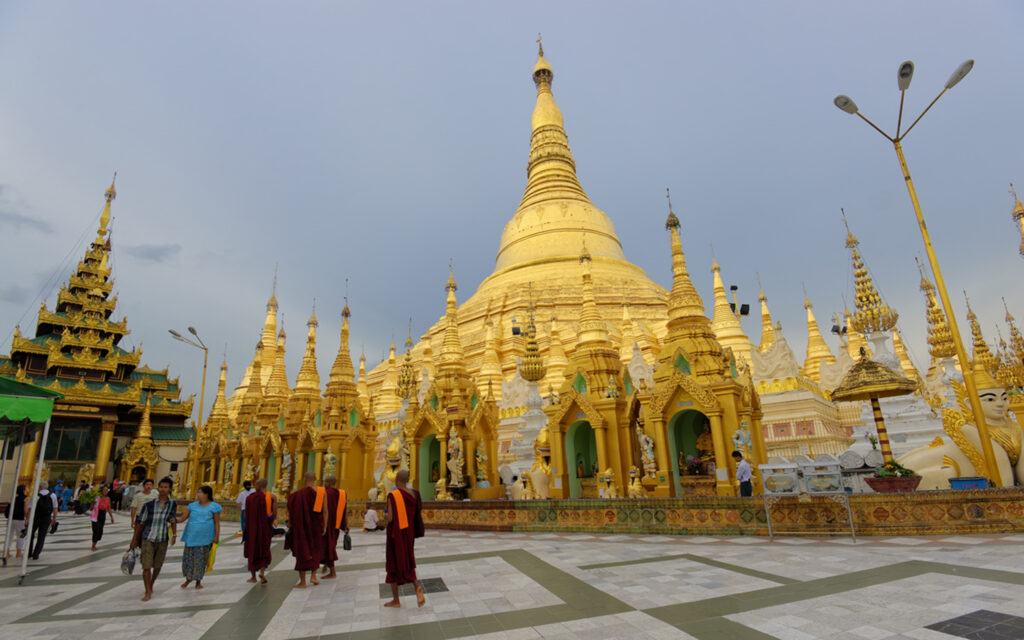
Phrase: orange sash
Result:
[270,503]
[318,504]
[401,514]
[341,510]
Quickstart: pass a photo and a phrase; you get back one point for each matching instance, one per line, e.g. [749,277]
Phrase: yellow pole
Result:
[961,353]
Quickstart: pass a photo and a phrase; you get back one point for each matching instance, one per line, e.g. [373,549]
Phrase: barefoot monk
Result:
[404,525]
[335,503]
[307,526]
[260,507]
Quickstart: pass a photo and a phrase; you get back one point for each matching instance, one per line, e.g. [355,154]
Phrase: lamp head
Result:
[175,334]
[905,75]
[959,74]
[192,330]
[846,103]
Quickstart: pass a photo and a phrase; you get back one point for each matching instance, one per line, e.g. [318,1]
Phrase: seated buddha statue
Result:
[959,453]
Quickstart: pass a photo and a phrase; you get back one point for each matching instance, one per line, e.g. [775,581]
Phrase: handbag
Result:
[128,561]
[346,542]
[53,527]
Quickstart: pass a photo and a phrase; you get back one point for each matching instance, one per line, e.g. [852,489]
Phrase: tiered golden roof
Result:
[407,374]
[532,368]
[868,379]
[872,313]
[982,354]
[307,383]
[1013,358]
[940,340]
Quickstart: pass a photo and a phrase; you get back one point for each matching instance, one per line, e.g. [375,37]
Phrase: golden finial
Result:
[408,340]
[940,340]
[540,45]
[312,322]
[111,193]
[451,284]
[272,302]
[672,222]
[345,313]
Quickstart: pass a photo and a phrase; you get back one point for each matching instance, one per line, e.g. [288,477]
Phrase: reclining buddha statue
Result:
[959,453]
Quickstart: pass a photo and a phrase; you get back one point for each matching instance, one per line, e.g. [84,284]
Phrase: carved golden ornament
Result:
[953,423]
[950,462]
[574,397]
[937,442]
[707,400]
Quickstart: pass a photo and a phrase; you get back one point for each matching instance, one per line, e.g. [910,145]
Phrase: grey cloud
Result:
[15,294]
[9,215]
[153,252]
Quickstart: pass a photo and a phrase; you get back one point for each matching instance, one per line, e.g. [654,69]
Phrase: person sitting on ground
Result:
[370,520]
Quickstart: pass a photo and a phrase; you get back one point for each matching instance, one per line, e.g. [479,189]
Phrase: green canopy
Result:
[22,403]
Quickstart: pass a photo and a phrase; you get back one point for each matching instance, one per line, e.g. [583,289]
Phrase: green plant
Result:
[88,497]
[894,469]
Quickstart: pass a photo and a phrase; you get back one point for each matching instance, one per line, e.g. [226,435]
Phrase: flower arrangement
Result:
[893,469]
[694,465]
[872,438]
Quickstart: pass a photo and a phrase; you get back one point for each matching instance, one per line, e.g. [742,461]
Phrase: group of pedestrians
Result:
[317,516]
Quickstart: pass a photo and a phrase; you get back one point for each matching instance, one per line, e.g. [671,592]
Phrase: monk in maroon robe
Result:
[307,526]
[335,503]
[259,509]
[404,525]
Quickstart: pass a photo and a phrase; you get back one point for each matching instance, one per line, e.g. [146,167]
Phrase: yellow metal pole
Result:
[961,353]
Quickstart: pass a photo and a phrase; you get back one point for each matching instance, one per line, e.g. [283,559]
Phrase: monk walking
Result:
[259,507]
[335,502]
[307,526]
[404,525]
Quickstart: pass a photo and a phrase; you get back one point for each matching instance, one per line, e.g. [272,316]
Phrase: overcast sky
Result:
[375,141]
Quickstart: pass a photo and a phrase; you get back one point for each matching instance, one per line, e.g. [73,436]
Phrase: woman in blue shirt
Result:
[202,532]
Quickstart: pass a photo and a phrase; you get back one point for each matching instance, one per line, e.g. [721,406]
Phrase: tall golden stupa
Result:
[538,259]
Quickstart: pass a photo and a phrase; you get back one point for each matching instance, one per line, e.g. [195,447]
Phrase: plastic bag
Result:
[213,555]
[128,561]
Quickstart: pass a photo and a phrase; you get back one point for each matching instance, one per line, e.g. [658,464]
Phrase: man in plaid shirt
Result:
[151,533]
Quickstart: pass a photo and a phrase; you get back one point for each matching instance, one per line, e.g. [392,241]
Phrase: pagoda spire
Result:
[767,326]
[362,388]
[110,194]
[551,172]
[277,385]
[490,366]
[872,314]
[900,349]
[269,336]
[218,420]
[387,399]
[532,368]
[252,396]
[688,328]
[555,210]
[451,355]
[982,354]
[307,383]
[1016,339]
[557,360]
[145,430]
[593,330]
[341,385]
[726,323]
[1018,215]
[940,340]
[817,349]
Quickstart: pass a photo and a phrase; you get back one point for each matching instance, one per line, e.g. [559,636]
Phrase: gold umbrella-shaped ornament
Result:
[870,380]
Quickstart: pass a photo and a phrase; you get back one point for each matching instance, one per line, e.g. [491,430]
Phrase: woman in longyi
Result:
[959,452]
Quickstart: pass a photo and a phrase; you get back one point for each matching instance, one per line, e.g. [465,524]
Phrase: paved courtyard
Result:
[505,586]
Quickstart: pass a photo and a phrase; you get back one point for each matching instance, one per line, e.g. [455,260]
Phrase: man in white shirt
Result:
[743,475]
[370,520]
[247,491]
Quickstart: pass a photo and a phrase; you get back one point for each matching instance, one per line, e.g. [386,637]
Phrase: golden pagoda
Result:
[981,353]
[107,394]
[767,327]
[537,259]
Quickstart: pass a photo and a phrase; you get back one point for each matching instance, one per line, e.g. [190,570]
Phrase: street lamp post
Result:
[845,103]
[198,344]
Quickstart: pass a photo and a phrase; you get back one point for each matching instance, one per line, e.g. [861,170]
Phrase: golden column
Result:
[103,448]
[845,103]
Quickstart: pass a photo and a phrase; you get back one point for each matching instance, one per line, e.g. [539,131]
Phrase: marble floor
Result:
[508,585]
